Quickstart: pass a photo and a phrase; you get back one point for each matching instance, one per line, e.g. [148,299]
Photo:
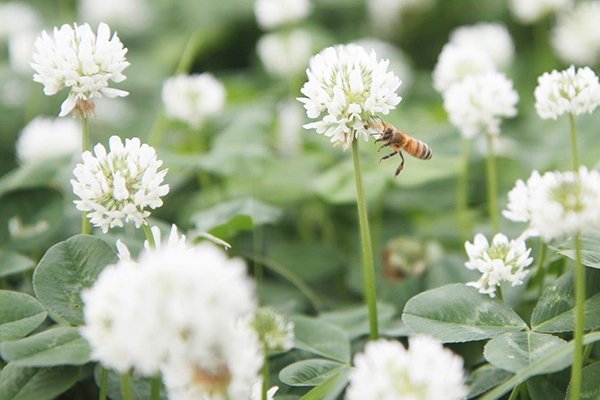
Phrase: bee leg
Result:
[385,145]
[400,167]
[388,156]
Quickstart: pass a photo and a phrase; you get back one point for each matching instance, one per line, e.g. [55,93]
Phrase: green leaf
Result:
[310,261]
[32,175]
[590,250]
[66,270]
[557,355]
[590,383]
[140,388]
[12,263]
[515,351]
[458,313]
[20,314]
[228,218]
[355,320]
[328,390]
[555,311]
[321,338]
[57,346]
[18,383]
[311,372]
[484,378]
[545,388]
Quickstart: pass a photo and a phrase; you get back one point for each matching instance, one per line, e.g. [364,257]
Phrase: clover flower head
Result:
[569,91]
[455,63]
[17,17]
[503,261]
[128,16]
[479,102]
[491,38]
[121,185]
[193,98]
[274,332]
[530,11]
[346,89]
[575,37]
[285,54]
[425,371]
[77,59]
[290,118]
[271,14]
[45,138]
[20,49]
[177,311]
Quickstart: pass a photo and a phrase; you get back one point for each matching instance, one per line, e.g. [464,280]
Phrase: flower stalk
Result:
[492,185]
[103,383]
[85,142]
[579,321]
[126,386]
[574,151]
[154,381]
[265,376]
[462,199]
[367,248]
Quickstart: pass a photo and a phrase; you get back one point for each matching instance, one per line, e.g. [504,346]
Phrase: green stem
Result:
[587,351]
[499,293]
[155,388]
[149,236]
[257,244]
[367,249]
[462,195]
[541,269]
[492,185]
[265,376]
[126,386]
[574,151]
[579,322]
[515,393]
[103,383]
[85,143]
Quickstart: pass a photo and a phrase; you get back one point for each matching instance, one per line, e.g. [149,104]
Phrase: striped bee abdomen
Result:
[418,149]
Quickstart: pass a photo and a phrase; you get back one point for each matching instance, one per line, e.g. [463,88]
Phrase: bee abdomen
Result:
[418,149]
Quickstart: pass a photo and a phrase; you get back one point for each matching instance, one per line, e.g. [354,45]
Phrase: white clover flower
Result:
[557,205]
[478,103]
[503,261]
[424,371]
[77,59]
[285,54]
[13,92]
[455,63]
[576,37]
[119,186]
[45,138]
[274,332]
[491,38]
[399,62]
[193,98]
[175,241]
[530,11]
[177,310]
[386,13]
[569,91]
[20,49]
[347,87]
[290,117]
[271,14]
[128,16]
[17,17]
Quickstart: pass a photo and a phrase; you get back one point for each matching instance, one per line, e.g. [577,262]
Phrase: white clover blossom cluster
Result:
[456,62]
[290,118]
[128,16]
[424,371]
[77,59]
[193,98]
[285,54]
[20,50]
[17,17]
[399,62]
[557,205]
[121,185]
[177,310]
[274,332]
[530,11]
[576,37]
[346,89]
[569,91]
[271,14]
[502,261]
[491,38]
[385,14]
[46,138]
[478,103]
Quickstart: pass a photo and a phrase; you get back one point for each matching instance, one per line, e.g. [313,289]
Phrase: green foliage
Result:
[458,313]
[140,388]
[320,338]
[311,372]
[12,263]
[66,270]
[484,378]
[17,383]
[590,382]
[19,315]
[590,250]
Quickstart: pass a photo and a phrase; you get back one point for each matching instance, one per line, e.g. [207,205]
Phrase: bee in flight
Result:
[397,141]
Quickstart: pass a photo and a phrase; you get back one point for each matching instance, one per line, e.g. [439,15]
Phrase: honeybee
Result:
[397,141]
